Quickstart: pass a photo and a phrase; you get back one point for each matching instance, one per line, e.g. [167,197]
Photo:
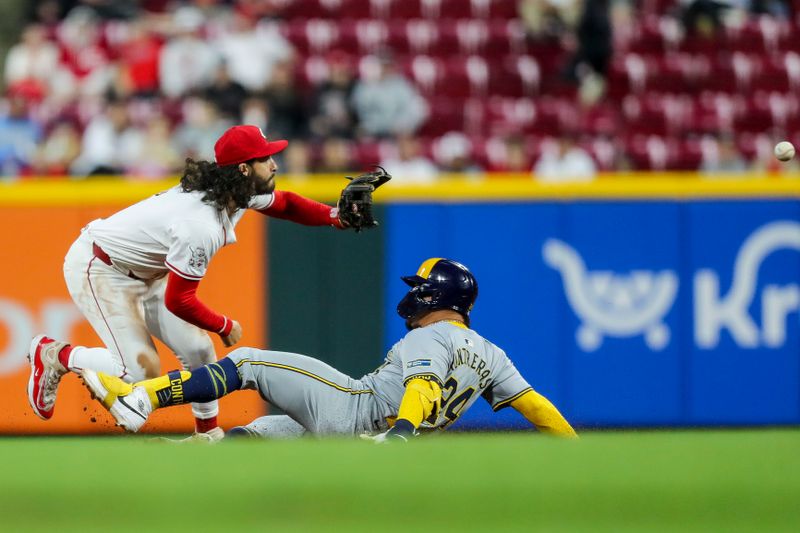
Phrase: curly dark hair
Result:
[222,185]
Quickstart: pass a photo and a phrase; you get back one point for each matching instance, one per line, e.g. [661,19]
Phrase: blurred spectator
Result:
[113,9]
[286,110]
[187,61]
[49,12]
[201,127]
[261,8]
[548,18]
[255,112]
[776,8]
[593,50]
[226,94]
[701,17]
[333,113]
[386,103]
[564,161]
[726,159]
[409,165]
[138,59]
[704,17]
[336,156]
[85,60]
[296,159]
[512,156]
[150,153]
[19,135]
[33,60]
[105,142]
[453,152]
[60,148]
[251,51]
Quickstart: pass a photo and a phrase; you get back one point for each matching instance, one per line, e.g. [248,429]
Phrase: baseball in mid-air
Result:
[784,151]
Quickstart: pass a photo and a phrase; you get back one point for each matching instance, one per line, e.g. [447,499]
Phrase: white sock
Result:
[207,410]
[97,359]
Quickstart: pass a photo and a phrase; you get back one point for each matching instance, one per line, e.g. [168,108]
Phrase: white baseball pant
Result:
[125,312]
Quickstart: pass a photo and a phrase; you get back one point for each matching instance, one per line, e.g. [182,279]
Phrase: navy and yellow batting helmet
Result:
[439,284]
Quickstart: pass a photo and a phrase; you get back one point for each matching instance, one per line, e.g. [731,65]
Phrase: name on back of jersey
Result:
[466,358]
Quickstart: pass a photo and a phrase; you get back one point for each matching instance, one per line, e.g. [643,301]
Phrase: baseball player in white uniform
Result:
[429,378]
[135,274]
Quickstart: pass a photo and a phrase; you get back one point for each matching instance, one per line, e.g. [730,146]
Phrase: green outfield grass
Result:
[621,481]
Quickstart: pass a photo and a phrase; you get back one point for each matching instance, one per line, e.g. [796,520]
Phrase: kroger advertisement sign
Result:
[627,313]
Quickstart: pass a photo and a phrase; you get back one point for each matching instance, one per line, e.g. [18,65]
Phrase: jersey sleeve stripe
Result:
[509,401]
[182,274]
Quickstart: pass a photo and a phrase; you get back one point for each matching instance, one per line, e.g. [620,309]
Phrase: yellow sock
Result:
[164,390]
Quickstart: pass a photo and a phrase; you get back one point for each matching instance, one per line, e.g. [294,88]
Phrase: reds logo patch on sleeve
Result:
[198,259]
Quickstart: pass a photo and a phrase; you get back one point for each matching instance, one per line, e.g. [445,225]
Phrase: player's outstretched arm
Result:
[291,206]
[421,400]
[543,414]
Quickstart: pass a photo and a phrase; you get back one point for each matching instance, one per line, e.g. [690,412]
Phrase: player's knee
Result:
[240,353]
[199,353]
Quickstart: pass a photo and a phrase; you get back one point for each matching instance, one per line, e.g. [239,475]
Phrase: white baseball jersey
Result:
[173,230]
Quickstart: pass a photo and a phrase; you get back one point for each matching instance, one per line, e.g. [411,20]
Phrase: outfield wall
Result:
[637,300]
[40,221]
[647,301]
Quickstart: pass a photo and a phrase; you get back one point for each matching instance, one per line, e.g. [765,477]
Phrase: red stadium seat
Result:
[771,75]
[472,36]
[447,43]
[416,36]
[509,115]
[655,35]
[301,9]
[353,9]
[427,72]
[312,36]
[363,36]
[514,76]
[651,152]
[405,9]
[603,150]
[601,120]
[445,115]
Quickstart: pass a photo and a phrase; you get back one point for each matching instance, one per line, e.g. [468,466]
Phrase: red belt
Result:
[100,254]
[103,256]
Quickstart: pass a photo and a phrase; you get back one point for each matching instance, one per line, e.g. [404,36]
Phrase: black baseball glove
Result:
[355,203]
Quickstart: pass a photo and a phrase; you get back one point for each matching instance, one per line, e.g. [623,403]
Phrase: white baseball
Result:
[784,151]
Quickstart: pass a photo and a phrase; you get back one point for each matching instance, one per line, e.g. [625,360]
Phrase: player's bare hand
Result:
[387,436]
[380,438]
[234,336]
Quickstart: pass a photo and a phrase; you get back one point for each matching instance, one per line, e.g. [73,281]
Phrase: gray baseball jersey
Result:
[325,401]
[464,364]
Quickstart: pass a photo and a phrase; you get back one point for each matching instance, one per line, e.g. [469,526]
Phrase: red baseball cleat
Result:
[46,372]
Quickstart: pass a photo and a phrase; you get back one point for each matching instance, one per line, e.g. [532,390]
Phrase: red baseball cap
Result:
[243,143]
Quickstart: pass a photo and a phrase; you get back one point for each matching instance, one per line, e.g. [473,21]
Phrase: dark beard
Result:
[263,187]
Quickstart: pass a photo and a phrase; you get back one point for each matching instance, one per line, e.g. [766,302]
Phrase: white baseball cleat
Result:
[130,406]
[46,373]
[211,436]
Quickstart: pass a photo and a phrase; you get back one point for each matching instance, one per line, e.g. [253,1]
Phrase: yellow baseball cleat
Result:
[129,405]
